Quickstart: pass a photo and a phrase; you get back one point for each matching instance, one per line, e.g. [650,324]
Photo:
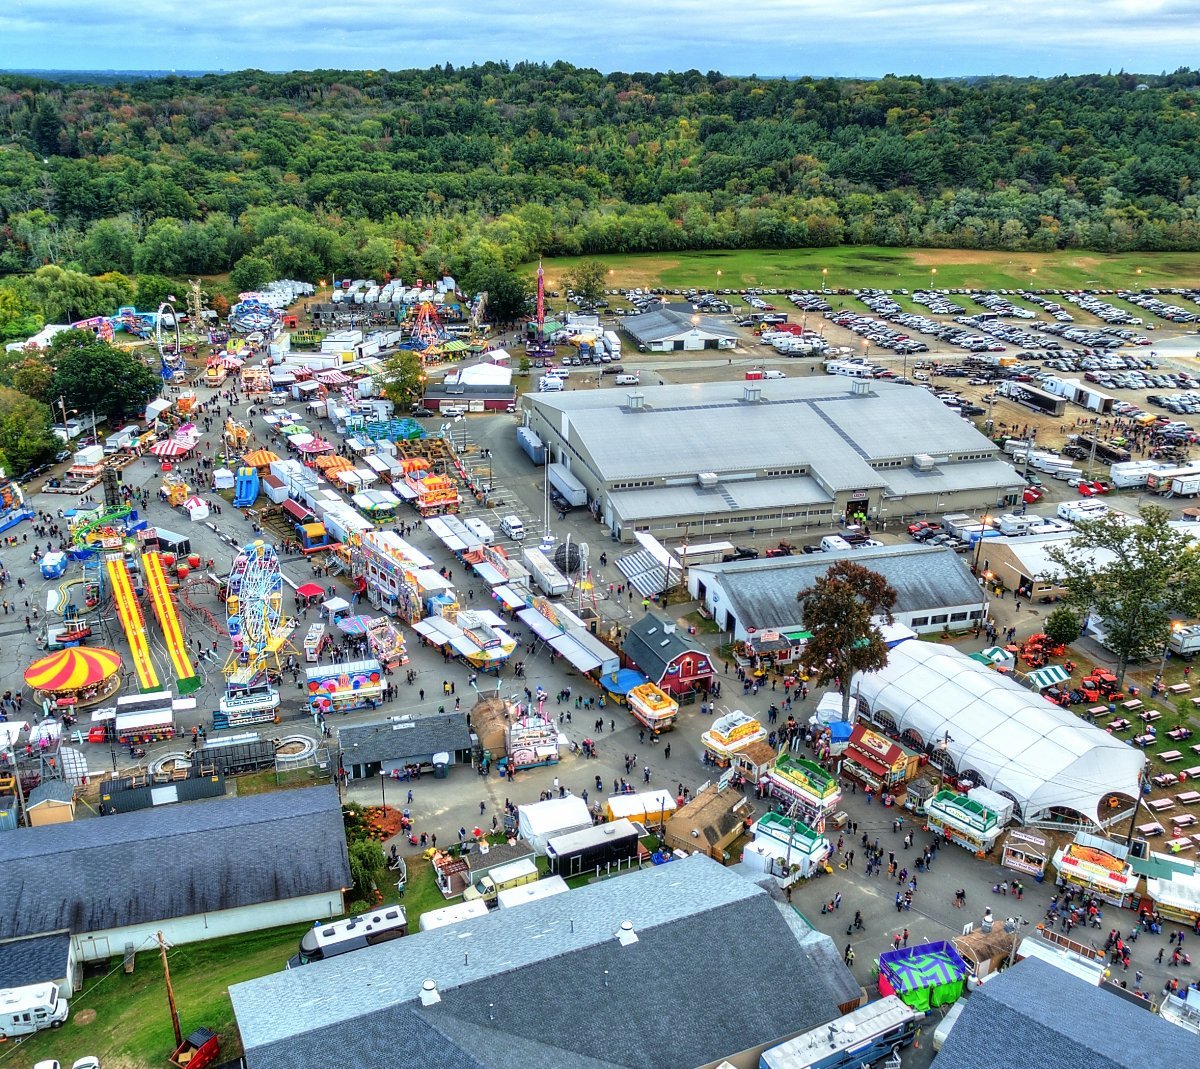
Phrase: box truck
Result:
[548,578]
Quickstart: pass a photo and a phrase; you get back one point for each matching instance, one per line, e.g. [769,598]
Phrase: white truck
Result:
[1185,642]
[548,578]
[25,1010]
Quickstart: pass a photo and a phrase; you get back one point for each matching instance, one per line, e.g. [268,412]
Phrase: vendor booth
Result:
[652,707]
[730,733]
[877,762]
[531,741]
[803,783]
[339,688]
[923,977]
[1027,852]
[651,808]
[1098,865]
[962,820]
[783,846]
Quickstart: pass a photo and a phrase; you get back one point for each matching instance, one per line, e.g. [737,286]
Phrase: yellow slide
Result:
[168,621]
[129,612]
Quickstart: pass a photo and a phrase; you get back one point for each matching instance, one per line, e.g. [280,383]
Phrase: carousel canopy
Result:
[170,448]
[72,669]
[260,458]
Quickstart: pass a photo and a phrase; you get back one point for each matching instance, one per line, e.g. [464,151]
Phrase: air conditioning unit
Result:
[707,479]
[922,462]
[751,394]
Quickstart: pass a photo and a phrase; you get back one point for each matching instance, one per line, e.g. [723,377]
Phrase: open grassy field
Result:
[853,267]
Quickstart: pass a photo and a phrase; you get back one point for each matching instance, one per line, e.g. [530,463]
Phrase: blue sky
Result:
[769,37]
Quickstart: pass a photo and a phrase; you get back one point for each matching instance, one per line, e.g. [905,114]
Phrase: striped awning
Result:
[170,448]
[260,458]
[1051,675]
[72,669]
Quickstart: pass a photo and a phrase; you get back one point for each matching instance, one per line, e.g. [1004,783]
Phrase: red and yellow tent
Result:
[72,669]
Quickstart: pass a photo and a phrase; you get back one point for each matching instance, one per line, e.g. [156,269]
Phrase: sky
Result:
[766,37]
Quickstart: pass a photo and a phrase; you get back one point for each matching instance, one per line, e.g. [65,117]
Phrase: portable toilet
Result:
[441,765]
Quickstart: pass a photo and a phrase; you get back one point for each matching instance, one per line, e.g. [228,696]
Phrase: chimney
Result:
[429,994]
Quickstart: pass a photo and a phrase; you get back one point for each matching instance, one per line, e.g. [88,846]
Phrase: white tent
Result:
[1011,740]
[485,375]
[543,820]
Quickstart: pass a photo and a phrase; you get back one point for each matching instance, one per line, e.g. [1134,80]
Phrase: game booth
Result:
[1026,852]
[75,676]
[531,740]
[923,977]
[877,762]
[339,688]
[1099,866]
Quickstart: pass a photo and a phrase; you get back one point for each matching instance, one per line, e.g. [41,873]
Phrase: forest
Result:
[470,169]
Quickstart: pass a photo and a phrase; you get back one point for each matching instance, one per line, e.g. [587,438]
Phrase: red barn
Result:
[657,648]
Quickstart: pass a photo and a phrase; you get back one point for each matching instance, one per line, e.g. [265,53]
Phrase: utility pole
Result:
[162,948]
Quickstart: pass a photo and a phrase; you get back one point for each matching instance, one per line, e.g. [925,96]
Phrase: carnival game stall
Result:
[962,820]
[339,688]
[782,846]
[1026,852]
[728,734]
[531,741]
[386,642]
[651,808]
[799,782]
[652,707]
[75,676]
[923,977]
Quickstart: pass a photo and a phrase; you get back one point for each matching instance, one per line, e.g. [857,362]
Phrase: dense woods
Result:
[459,169]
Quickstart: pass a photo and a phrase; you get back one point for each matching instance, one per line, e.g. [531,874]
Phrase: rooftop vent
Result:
[626,936]
[669,627]
[751,394]
[922,462]
[429,994]
[708,479]
[860,388]
[635,402]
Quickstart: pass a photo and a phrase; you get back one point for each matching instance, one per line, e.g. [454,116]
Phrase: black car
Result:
[420,412]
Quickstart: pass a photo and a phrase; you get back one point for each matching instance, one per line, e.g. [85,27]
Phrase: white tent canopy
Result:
[1016,743]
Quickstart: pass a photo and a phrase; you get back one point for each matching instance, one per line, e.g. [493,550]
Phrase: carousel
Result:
[76,676]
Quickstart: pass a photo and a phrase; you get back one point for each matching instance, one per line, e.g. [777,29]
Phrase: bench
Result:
[1148,831]
[1165,779]
[1160,805]
[1188,797]
[1171,755]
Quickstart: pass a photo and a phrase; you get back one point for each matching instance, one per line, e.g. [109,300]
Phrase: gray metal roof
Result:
[729,497]
[762,593]
[663,324]
[56,790]
[404,738]
[948,478]
[813,420]
[172,861]
[652,647]
[41,959]
[548,985]
[1036,1016]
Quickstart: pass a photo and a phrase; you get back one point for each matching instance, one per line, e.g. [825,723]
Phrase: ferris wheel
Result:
[167,340]
[255,617]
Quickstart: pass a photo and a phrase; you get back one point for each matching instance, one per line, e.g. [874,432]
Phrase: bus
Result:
[340,937]
[862,1037]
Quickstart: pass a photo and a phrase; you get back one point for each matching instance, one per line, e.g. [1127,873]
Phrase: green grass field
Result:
[855,267]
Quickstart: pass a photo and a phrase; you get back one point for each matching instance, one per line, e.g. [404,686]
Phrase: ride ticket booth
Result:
[1025,852]
[1100,866]
[963,821]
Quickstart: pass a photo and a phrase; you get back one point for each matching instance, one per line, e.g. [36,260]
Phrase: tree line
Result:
[450,169]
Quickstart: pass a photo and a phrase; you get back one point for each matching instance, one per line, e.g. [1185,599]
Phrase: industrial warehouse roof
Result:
[1035,1016]
[172,861]
[813,422]
[548,985]
[403,738]
[664,324]
[776,495]
[762,593]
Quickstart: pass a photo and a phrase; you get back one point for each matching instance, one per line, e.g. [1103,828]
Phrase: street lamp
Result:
[943,744]
[824,279]
[985,522]
[383,776]
[932,277]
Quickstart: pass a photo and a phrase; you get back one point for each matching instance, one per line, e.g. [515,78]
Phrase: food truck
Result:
[652,707]
[730,733]
[314,642]
[962,820]
[339,688]
[805,784]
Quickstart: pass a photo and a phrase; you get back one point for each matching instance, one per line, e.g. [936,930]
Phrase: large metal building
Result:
[709,460]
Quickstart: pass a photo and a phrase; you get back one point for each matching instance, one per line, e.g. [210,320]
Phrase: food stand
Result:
[314,642]
[877,762]
[782,844]
[962,820]
[339,688]
[386,643]
[730,733]
[1098,865]
[803,783]
[1025,851]
[531,741]
[652,707]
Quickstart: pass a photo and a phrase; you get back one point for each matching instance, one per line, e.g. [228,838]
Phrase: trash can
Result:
[441,765]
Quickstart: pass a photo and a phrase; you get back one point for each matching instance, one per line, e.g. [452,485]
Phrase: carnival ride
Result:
[426,331]
[186,678]
[168,342]
[255,618]
[133,623]
[12,504]
[108,529]
[252,314]
[78,675]
[245,488]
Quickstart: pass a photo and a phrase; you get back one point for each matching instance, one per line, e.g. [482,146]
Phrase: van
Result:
[834,544]
[480,530]
[25,1010]
[453,410]
[513,527]
[629,380]
[771,373]
[550,384]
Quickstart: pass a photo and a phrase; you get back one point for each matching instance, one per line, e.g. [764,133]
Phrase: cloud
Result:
[769,37]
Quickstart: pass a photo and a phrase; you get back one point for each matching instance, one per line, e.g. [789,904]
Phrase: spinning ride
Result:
[255,618]
[168,342]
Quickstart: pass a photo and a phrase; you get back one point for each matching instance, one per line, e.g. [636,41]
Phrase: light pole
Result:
[824,279]
[943,745]
[984,522]
[932,278]
[383,786]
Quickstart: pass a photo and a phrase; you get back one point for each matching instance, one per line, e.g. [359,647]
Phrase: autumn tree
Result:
[842,611]
[1132,576]
[404,379]
[587,280]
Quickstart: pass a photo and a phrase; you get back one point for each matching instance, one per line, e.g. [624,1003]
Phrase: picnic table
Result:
[1150,715]
[1188,797]
[1120,724]
[1148,831]
[1178,846]
[1146,739]
[1096,710]
[1165,779]
[1179,734]
[1160,805]
[1193,772]
[1171,755]
[1184,820]
[1179,688]
[1132,706]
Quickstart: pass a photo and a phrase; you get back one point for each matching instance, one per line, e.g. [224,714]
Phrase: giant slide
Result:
[168,622]
[129,612]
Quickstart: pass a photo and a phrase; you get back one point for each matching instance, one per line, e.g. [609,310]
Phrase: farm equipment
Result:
[1100,686]
[784,549]
[1038,650]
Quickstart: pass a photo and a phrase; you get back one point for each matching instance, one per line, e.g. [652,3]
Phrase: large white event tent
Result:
[1009,739]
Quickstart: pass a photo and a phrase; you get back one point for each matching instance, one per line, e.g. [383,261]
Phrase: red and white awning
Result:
[170,449]
[332,378]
